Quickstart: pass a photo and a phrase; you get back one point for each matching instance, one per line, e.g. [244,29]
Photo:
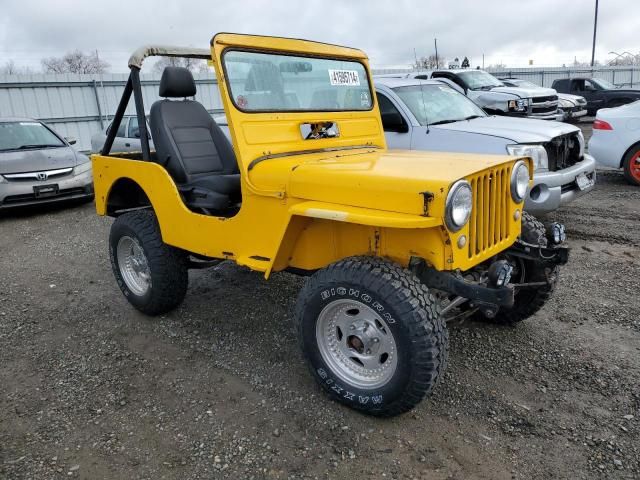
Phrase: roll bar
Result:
[133,85]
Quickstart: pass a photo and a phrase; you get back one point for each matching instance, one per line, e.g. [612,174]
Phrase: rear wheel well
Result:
[630,149]
[126,194]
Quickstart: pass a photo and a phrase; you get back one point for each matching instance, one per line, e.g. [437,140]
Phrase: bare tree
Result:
[428,63]
[465,63]
[75,62]
[193,64]
[579,64]
[627,59]
[10,68]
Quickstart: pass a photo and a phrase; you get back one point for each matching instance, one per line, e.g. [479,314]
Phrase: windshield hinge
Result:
[428,197]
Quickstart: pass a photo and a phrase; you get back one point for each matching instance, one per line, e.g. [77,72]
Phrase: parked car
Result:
[39,166]
[127,138]
[616,139]
[428,115]
[571,106]
[498,99]
[311,188]
[598,92]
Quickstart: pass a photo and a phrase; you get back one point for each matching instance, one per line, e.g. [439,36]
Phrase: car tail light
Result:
[601,125]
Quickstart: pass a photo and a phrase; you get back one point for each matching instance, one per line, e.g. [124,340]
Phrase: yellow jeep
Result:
[392,241]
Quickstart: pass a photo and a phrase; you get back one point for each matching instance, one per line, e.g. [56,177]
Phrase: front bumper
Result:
[453,283]
[22,193]
[574,113]
[551,190]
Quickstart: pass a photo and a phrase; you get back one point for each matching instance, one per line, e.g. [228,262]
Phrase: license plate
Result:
[45,190]
[583,181]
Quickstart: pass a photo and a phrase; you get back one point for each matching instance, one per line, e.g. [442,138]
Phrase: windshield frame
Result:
[63,142]
[480,112]
[294,55]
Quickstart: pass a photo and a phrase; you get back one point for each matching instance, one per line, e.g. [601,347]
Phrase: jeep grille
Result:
[489,225]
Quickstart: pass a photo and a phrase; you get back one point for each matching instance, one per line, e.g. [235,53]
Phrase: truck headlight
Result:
[564,103]
[519,105]
[519,181]
[458,206]
[581,142]
[537,153]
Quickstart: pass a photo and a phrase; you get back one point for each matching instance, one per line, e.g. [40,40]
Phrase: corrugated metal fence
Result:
[80,105]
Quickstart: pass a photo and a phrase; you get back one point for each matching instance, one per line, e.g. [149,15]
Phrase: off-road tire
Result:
[167,265]
[630,157]
[420,334]
[528,301]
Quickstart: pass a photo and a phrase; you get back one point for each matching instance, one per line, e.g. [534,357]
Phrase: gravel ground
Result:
[218,389]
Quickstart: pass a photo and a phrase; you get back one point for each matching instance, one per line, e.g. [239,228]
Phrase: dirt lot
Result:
[218,389]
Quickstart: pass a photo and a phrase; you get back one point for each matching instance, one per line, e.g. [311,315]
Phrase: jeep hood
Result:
[21,161]
[523,92]
[516,130]
[385,180]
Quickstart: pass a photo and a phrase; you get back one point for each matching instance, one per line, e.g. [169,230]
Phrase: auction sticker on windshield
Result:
[344,77]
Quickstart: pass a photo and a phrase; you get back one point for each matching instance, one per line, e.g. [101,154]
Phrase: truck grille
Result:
[548,104]
[489,225]
[563,151]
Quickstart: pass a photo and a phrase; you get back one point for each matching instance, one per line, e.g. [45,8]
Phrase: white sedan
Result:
[616,139]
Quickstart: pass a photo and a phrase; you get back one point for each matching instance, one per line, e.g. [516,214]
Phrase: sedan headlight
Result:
[519,181]
[537,153]
[458,205]
[519,105]
[83,166]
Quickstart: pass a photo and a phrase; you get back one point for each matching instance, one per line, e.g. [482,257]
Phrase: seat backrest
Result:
[188,142]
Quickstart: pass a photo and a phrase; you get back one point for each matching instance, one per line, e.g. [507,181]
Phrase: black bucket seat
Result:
[192,147]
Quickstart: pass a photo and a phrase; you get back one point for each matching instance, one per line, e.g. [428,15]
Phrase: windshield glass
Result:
[523,83]
[284,83]
[604,84]
[479,80]
[433,104]
[26,135]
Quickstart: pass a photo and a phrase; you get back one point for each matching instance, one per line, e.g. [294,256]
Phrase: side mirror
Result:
[393,122]
[71,140]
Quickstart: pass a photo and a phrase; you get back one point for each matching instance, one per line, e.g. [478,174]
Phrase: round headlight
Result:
[519,181]
[458,206]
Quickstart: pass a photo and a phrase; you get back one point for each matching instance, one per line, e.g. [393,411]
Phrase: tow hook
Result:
[500,273]
[556,233]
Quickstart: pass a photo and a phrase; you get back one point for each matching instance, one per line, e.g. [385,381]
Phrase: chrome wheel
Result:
[356,343]
[133,265]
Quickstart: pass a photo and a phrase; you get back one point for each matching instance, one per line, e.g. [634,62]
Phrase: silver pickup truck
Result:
[494,96]
[431,115]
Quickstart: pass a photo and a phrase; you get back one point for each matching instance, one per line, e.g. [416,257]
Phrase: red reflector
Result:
[601,125]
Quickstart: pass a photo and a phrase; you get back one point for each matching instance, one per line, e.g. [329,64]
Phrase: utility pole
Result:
[595,27]
[483,61]
[435,41]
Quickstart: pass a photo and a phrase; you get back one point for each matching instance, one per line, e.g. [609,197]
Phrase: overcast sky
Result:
[550,32]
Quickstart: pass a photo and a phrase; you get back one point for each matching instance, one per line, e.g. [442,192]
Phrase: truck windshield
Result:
[266,82]
[523,84]
[437,104]
[479,80]
[27,135]
[603,84]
